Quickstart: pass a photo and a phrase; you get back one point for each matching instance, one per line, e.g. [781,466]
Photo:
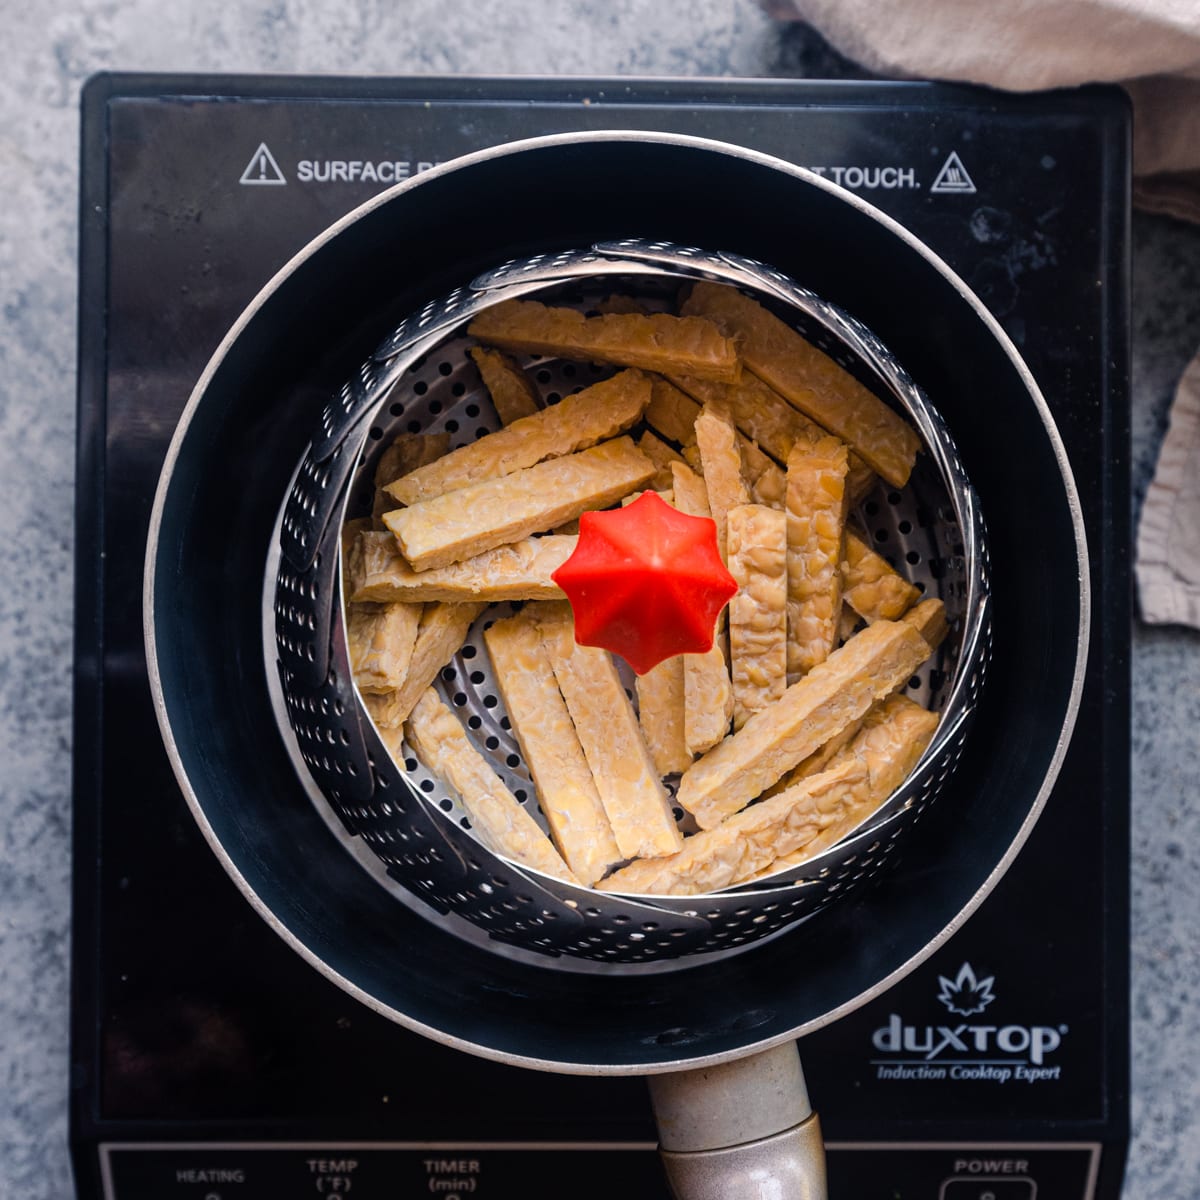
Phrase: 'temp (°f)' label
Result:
[451,1178]
[333,1176]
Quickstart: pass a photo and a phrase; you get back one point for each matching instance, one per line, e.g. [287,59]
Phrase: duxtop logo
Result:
[964,994]
[989,1053]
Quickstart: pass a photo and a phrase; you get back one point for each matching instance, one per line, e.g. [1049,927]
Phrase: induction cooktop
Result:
[208,1060]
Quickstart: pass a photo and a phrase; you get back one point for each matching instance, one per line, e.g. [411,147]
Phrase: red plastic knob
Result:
[646,582]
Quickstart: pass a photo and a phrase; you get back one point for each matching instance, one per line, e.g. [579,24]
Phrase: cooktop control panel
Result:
[366,1171]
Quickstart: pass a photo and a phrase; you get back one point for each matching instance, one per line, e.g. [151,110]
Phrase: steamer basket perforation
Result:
[421,832]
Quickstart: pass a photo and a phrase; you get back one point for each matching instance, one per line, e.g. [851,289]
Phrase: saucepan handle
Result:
[740,1131]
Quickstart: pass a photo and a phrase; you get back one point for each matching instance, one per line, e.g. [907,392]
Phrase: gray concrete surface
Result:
[53,47]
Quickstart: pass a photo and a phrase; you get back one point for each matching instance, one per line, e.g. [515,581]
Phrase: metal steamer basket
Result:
[421,380]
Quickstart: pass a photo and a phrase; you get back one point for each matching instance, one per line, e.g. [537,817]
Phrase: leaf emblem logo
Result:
[964,994]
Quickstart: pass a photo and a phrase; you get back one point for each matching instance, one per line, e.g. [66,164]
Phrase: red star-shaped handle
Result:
[646,582]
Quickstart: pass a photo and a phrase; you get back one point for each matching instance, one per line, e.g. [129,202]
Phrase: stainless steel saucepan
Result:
[355,862]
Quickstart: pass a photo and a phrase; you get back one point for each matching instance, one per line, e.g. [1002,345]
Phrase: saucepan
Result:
[715,1029]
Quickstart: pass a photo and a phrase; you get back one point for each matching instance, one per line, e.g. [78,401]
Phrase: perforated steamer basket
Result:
[422,380]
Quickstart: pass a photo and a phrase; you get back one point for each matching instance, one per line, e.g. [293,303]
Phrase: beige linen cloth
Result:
[1152,47]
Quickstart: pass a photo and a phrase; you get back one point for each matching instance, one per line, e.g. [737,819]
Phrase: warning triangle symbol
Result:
[952,177]
[262,168]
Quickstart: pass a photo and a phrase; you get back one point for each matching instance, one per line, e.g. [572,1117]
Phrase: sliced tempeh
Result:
[707,692]
[349,541]
[519,571]
[380,640]
[929,619]
[408,452]
[707,698]
[816,519]
[660,713]
[849,621]
[758,613]
[512,391]
[542,725]
[442,630]
[637,804]
[466,522]
[860,480]
[770,422]
[811,380]
[717,440]
[768,484]
[748,842]
[441,743]
[831,696]
[618,303]
[691,496]
[758,411]
[818,760]
[893,737]
[672,412]
[667,497]
[654,341]
[871,586]
[661,455]
[579,421]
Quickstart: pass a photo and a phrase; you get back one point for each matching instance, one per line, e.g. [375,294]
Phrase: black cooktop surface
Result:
[194,1024]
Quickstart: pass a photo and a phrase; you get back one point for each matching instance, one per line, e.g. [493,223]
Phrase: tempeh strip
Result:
[691,496]
[660,713]
[816,518]
[707,692]
[770,422]
[717,439]
[380,640]
[849,621]
[442,630]
[818,760]
[759,412]
[575,423]
[860,480]
[893,737]
[512,392]
[929,619]
[351,530]
[811,380]
[441,743]
[661,455]
[871,586]
[519,571]
[617,303]
[747,843]
[758,613]
[408,452]
[672,412]
[707,698]
[654,341]
[542,725]
[466,522]
[637,804]
[831,696]
[768,484]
